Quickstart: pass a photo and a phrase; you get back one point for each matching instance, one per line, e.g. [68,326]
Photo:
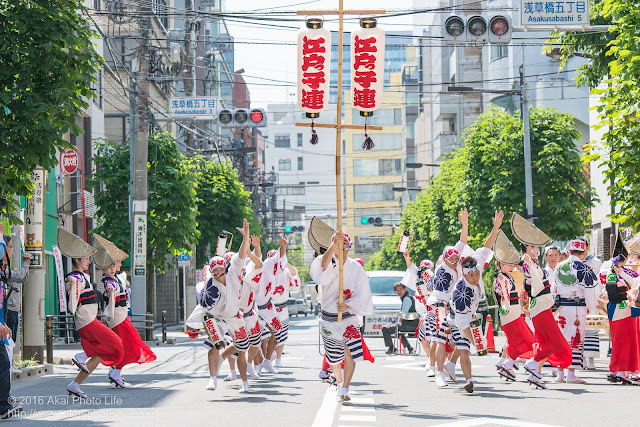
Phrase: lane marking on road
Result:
[398,359]
[362,400]
[353,409]
[324,416]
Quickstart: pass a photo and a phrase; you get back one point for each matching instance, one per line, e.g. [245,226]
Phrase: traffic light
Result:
[293,229]
[477,29]
[500,29]
[376,221]
[242,117]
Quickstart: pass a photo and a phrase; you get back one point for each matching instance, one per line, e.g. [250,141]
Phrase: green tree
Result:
[48,61]
[487,174]
[222,203]
[613,72]
[171,204]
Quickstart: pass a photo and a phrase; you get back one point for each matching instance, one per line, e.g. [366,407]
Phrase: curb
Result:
[31,372]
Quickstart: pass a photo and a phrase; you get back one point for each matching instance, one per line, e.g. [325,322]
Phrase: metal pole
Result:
[338,152]
[184,296]
[528,175]
[49,330]
[164,327]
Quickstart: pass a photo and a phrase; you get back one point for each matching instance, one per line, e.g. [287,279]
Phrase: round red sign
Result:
[69,162]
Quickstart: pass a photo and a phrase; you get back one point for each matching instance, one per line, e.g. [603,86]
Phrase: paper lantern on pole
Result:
[367,72]
[314,60]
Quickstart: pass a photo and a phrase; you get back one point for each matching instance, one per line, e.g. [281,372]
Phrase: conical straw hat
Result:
[102,258]
[632,245]
[528,233]
[504,250]
[73,246]
[319,234]
[115,252]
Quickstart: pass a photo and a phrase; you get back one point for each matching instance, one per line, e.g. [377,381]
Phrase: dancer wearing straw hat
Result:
[549,341]
[342,340]
[100,344]
[520,339]
[109,258]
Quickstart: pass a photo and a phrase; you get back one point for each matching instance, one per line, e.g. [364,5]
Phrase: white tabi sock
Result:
[508,363]
[245,386]
[501,361]
[81,357]
[344,391]
[74,386]
[215,381]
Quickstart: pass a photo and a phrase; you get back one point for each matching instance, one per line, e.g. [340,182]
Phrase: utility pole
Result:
[189,73]
[138,192]
[528,175]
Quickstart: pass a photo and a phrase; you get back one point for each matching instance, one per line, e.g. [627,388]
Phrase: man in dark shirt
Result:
[406,325]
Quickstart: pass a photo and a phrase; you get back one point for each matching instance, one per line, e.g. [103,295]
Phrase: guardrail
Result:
[63,327]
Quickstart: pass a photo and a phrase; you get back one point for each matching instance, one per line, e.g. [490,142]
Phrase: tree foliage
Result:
[613,73]
[48,60]
[222,203]
[171,203]
[487,174]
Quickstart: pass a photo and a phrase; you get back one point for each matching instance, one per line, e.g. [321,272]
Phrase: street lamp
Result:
[419,165]
[524,110]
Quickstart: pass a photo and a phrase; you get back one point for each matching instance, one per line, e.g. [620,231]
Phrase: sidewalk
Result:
[62,353]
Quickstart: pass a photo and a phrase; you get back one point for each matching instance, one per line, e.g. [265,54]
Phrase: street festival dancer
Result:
[250,283]
[218,310]
[465,299]
[417,279]
[622,311]
[520,339]
[342,340]
[100,344]
[549,341]
[109,258]
[274,266]
[445,277]
[577,290]
[286,282]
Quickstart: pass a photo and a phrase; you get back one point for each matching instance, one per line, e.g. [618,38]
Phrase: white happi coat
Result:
[219,300]
[356,291]
[575,279]
[412,280]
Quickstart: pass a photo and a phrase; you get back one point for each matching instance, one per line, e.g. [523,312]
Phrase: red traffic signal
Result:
[256,116]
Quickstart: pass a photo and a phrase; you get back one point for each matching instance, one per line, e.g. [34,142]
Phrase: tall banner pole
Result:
[338,153]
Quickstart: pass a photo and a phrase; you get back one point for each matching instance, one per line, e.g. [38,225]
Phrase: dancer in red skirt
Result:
[99,343]
[549,341]
[109,258]
[520,339]
[622,313]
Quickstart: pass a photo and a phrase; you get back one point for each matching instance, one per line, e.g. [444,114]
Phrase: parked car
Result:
[383,295]
[292,307]
[302,307]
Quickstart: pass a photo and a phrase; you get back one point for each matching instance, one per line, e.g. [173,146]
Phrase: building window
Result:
[299,140]
[300,164]
[291,190]
[499,51]
[373,192]
[282,141]
[313,182]
[284,165]
[383,141]
[377,167]
[260,155]
[381,117]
